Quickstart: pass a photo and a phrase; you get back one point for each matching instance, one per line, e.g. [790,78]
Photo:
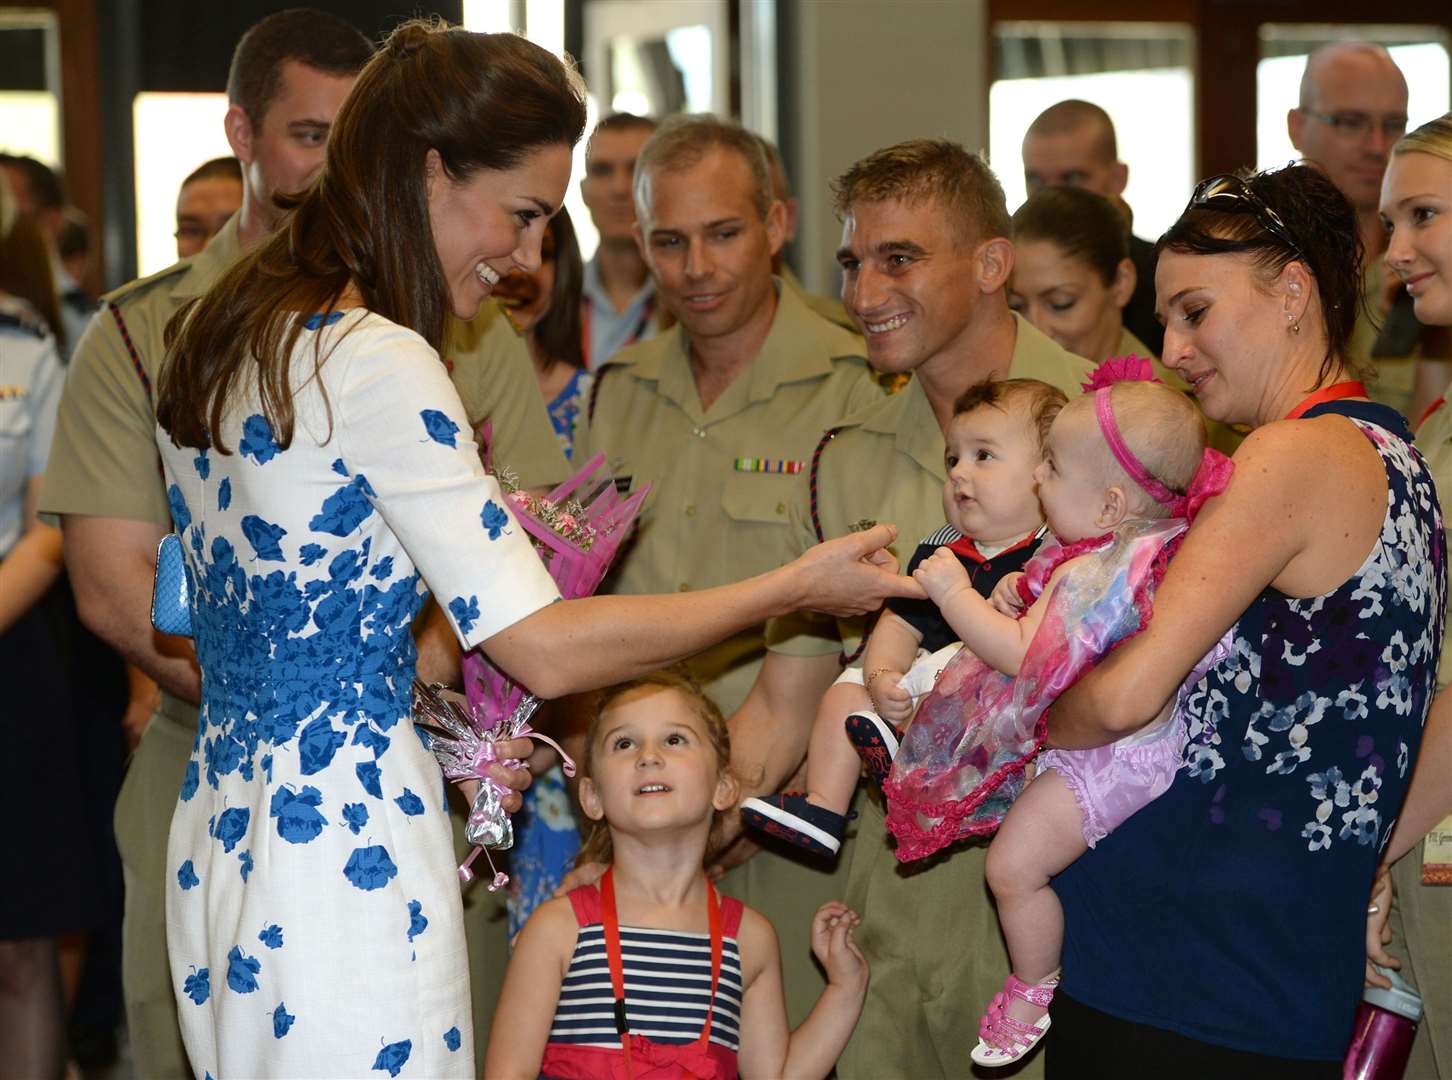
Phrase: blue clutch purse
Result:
[171,609]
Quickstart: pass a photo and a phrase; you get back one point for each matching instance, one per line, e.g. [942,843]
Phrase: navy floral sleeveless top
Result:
[1232,909]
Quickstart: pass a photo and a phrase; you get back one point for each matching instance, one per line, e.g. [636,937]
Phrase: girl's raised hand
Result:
[834,948]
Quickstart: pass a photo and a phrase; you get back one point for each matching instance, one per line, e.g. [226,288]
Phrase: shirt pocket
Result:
[755,500]
[15,432]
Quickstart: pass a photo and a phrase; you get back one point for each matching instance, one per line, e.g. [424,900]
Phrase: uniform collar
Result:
[211,262]
[968,547]
[800,346]
[1131,345]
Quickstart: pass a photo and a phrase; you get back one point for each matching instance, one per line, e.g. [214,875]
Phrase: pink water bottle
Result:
[1386,1024]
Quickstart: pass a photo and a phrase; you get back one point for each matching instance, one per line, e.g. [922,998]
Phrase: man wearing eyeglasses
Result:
[1353,108]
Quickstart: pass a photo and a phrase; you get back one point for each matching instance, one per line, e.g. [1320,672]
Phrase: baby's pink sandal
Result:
[1002,1039]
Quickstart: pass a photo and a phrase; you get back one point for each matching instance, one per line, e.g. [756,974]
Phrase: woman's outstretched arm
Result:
[583,644]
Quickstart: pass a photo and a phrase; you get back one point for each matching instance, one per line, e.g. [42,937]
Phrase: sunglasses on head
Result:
[1230,194]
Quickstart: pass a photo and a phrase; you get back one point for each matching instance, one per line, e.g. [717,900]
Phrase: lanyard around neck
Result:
[611,922]
[1350,388]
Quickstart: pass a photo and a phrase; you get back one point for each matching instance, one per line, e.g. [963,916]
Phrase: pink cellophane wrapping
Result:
[493,696]
[962,759]
[499,709]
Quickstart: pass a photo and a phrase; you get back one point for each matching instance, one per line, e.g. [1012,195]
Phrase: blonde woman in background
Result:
[1416,207]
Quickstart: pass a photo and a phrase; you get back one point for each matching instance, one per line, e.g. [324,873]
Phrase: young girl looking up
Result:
[695,979]
[1117,466]
[994,446]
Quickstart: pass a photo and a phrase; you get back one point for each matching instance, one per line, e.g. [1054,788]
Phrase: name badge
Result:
[1437,854]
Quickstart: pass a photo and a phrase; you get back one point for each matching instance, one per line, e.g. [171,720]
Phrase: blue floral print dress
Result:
[313,913]
[1232,910]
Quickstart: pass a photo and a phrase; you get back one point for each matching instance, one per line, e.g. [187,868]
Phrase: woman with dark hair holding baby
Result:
[1220,931]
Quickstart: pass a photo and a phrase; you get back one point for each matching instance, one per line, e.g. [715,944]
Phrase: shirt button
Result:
[691,510]
[781,508]
[683,587]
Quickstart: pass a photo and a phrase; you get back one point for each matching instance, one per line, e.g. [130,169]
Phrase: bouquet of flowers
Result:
[576,529]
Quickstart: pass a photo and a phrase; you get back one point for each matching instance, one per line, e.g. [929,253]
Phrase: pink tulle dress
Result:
[962,759]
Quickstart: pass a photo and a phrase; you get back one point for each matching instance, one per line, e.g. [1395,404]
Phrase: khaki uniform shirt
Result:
[723,479]
[886,465]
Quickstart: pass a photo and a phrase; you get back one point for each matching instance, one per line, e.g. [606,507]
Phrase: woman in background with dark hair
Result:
[319,471]
[1072,275]
[544,306]
[1220,932]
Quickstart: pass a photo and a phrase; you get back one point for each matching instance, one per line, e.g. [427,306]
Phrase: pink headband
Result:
[1215,468]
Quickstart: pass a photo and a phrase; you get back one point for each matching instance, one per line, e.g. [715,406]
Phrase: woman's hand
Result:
[942,576]
[1378,933]
[834,948]
[1006,599]
[514,779]
[852,575]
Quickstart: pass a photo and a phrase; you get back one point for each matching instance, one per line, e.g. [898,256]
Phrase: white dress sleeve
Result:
[403,429]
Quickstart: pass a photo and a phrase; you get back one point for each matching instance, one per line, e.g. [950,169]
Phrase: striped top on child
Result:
[667,975]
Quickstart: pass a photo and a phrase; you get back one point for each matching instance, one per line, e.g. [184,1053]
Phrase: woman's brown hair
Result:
[597,840]
[483,101]
[25,271]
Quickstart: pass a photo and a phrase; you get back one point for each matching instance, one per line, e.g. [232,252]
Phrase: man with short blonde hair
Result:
[931,302]
[924,170]
[682,141]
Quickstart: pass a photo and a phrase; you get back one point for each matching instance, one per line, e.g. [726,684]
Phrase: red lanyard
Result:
[611,923]
[1350,388]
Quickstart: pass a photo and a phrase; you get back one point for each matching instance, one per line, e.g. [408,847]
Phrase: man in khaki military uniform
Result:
[720,415]
[925,266]
[104,480]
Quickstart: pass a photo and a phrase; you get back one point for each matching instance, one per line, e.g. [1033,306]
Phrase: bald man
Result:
[1353,107]
[1073,144]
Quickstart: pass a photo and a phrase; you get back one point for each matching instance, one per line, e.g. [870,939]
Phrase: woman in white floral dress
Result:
[319,476]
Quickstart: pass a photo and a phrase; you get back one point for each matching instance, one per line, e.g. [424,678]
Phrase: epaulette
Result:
[135,288]
[12,321]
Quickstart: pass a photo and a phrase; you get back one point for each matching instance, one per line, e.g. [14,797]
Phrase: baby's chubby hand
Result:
[834,948]
[941,575]
[1006,599]
[891,699]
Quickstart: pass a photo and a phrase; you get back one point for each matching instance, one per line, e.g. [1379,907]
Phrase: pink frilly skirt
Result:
[1112,782]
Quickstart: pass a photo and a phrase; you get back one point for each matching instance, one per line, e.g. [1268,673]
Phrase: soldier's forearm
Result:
[112,565]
